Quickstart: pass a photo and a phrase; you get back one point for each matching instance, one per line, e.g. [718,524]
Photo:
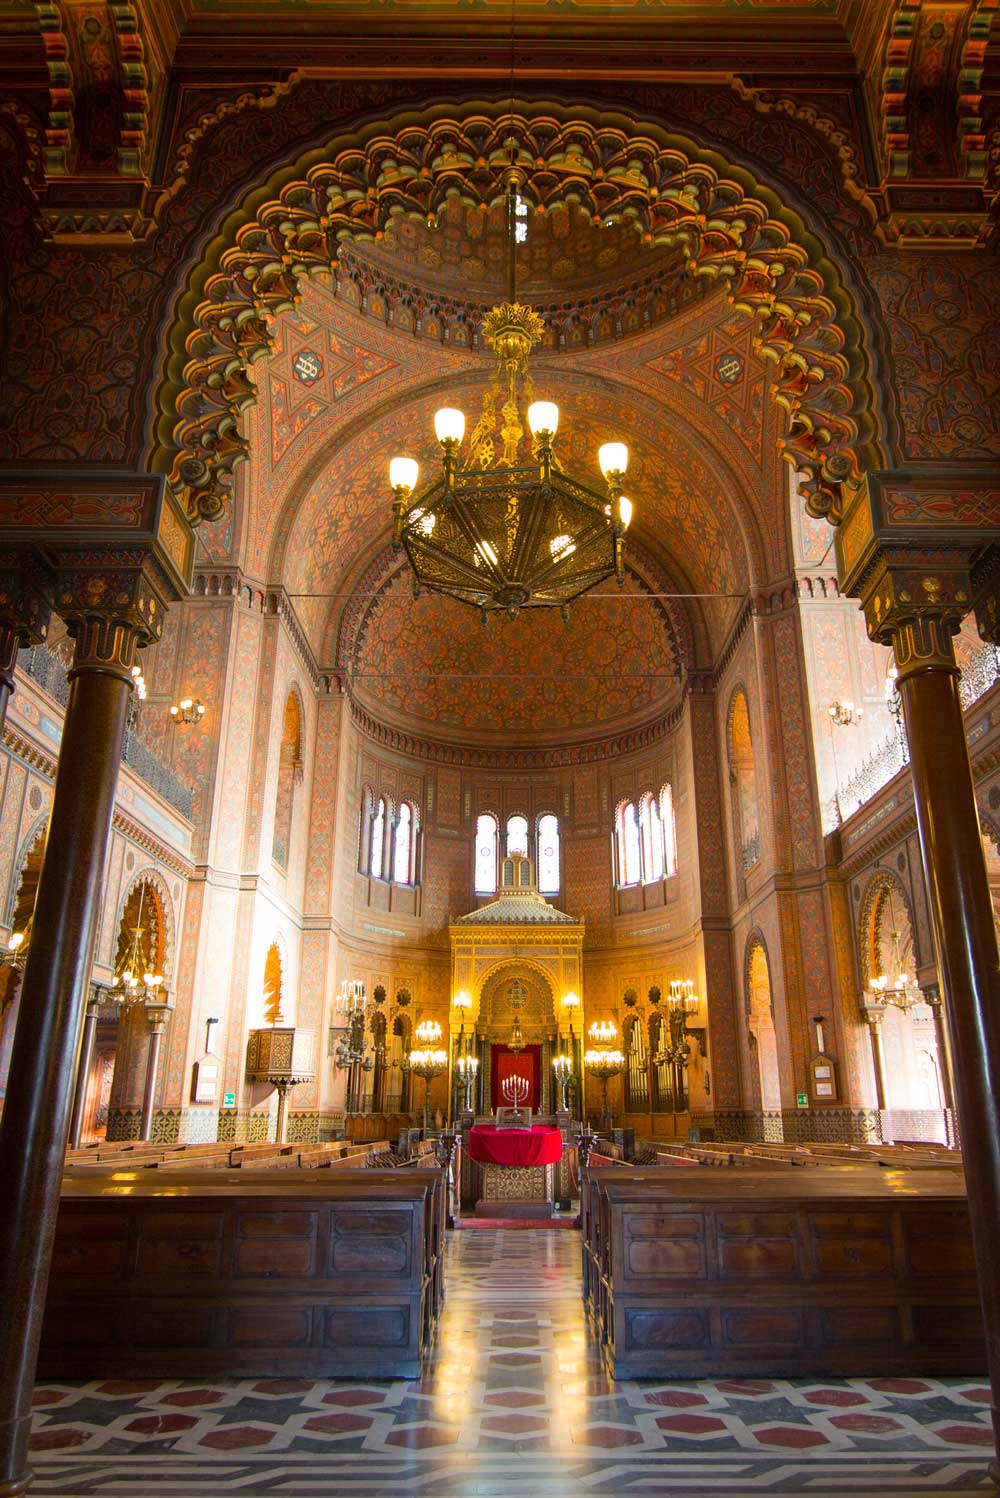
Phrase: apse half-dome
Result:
[428,665]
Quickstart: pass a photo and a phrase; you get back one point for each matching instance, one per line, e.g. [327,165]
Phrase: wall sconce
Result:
[139,682]
[845,713]
[188,710]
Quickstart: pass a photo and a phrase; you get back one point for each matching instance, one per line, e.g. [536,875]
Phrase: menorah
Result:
[515,1090]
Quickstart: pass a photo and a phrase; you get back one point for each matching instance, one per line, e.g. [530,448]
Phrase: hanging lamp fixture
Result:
[507,528]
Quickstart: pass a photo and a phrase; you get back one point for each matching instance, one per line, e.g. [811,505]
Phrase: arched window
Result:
[651,839]
[548,854]
[668,824]
[486,855]
[517,835]
[377,844]
[402,864]
[629,849]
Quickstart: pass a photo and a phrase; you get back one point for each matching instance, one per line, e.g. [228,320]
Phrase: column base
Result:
[17,1486]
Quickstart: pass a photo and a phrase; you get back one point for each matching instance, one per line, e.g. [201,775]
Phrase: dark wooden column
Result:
[35,1122]
[83,1072]
[906,547]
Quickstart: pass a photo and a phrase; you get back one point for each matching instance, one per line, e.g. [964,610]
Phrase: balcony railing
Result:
[50,674]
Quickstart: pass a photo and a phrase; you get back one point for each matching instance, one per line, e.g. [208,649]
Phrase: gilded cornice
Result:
[438,752]
[728,227]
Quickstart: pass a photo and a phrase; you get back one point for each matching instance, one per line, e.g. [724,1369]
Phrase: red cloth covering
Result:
[541,1145]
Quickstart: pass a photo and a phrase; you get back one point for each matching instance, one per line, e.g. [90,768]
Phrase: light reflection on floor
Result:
[515,1400]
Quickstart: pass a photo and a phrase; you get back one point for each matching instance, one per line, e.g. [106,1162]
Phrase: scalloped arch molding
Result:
[725,223]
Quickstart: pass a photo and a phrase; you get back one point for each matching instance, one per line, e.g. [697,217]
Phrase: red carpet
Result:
[535,1223]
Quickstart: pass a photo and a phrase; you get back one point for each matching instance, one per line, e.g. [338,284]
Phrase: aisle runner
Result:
[515,1404]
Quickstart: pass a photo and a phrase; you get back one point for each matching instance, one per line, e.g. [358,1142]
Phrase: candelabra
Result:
[463,1004]
[562,1068]
[428,1063]
[351,1053]
[604,1061]
[468,1069]
[682,1001]
[515,1090]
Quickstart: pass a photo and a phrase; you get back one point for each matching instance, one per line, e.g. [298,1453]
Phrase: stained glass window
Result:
[652,840]
[404,843]
[548,854]
[629,852]
[378,840]
[669,830]
[486,855]
[517,835]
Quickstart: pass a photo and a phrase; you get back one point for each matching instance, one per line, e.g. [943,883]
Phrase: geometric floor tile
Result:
[515,1402]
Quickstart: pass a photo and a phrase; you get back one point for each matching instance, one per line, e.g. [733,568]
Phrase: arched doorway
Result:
[908,1044]
[20,927]
[760,1022]
[116,1076]
[515,1035]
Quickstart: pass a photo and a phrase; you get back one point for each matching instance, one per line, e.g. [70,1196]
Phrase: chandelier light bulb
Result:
[625,511]
[403,473]
[17,937]
[449,425]
[613,458]
[543,416]
[571,1000]
[462,1000]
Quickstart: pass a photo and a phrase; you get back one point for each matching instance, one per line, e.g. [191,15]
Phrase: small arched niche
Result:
[743,783]
[289,776]
[760,1019]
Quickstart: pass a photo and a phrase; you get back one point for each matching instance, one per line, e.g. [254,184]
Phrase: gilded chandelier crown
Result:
[511,330]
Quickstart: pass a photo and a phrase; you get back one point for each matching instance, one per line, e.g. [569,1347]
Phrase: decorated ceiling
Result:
[429,664]
[346,386]
[465,251]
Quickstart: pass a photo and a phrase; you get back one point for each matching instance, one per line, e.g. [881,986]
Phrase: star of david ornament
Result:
[307,367]
[729,369]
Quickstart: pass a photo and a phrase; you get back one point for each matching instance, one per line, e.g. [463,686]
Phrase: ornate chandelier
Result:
[502,531]
[134,984]
[902,994]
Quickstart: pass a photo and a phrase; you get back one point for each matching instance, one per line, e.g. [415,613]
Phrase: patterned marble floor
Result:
[514,1401]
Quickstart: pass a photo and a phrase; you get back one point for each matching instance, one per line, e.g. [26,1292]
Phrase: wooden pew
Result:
[846,1271]
[321,1273]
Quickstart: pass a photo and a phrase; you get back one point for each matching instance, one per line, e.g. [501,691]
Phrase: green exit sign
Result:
[802,1100]
[229,1100]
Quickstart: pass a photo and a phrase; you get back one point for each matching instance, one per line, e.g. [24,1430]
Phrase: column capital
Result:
[114,600]
[906,548]
[26,586]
